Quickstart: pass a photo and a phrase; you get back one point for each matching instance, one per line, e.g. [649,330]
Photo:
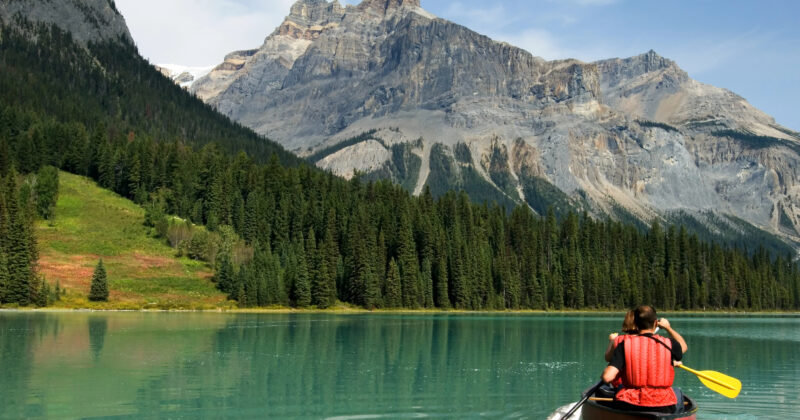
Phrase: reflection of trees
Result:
[312,365]
[19,335]
[98,324]
[302,365]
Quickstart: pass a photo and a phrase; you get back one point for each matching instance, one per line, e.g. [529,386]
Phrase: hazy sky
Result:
[749,47]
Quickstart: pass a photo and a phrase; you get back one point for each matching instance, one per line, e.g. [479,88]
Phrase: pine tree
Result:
[98,291]
[393,296]
[441,296]
[20,247]
[46,192]
[4,278]
[330,253]
[225,276]
[407,262]
[240,287]
[302,286]
[318,272]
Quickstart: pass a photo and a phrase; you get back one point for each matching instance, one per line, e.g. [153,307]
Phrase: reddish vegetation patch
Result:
[75,272]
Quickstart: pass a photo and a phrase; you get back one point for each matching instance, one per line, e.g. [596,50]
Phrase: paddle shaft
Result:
[583,400]
[706,377]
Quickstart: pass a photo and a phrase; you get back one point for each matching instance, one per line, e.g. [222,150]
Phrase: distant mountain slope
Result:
[85,20]
[633,136]
[106,80]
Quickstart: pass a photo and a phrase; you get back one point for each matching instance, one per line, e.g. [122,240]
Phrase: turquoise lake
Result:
[363,366]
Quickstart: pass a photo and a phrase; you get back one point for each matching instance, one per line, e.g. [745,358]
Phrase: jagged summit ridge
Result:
[314,12]
[617,70]
[384,6]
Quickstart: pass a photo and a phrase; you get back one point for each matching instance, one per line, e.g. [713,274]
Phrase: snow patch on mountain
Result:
[185,76]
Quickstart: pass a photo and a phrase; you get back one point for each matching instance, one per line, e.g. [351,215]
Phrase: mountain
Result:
[85,20]
[279,232]
[392,91]
[183,75]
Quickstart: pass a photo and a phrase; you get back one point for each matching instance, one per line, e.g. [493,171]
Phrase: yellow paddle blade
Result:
[717,382]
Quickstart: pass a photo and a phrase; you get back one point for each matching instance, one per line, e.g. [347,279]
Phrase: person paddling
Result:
[645,363]
[628,327]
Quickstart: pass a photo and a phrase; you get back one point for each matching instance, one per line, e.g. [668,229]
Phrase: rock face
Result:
[271,63]
[448,107]
[183,75]
[87,20]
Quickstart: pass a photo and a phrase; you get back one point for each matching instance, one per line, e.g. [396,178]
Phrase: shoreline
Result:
[361,311]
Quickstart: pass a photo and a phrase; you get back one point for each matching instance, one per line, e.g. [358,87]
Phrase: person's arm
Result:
[609,374]
[616,364]
[664,323]
[611,346]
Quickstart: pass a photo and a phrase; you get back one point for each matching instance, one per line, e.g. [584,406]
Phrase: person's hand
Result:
[663,323]
[612,336]
[677,363]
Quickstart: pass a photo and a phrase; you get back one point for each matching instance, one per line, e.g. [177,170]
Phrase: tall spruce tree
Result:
[301,293]
[225,276]
[98,291]
[20,247]
[393,296]
[46,192]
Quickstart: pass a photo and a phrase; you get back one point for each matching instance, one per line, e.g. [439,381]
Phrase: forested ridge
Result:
[284,233]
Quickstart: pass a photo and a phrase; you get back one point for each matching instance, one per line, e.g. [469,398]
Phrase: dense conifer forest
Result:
[280,232]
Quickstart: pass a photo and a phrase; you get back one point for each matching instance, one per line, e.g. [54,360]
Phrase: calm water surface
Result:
[188,365]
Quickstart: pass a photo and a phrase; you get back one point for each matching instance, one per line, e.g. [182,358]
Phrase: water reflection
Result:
[19,335]
[98,325]
[353,365]
[316,366]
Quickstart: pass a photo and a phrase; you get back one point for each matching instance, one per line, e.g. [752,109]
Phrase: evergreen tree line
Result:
[19,283]
[314,239]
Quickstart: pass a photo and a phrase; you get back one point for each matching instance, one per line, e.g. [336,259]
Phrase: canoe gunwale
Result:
[598,410]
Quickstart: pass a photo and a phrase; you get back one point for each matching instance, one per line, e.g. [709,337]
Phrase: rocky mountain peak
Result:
[309,18]
[308,12]
[652,61]
[618,70]
[648,62]
[86,20]
[383,6]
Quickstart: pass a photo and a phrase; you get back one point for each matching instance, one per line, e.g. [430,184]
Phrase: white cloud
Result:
[200,32]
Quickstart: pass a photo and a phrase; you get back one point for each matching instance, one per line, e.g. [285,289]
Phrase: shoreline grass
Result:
[233,309]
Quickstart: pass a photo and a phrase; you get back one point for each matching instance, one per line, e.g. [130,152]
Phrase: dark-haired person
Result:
[645,363]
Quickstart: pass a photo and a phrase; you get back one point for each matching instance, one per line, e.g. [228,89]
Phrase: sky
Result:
[749,47]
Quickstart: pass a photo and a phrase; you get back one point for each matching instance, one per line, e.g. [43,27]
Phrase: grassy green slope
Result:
[143,272]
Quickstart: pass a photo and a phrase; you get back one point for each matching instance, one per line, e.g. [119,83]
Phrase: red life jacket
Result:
[618,380]
[648,375]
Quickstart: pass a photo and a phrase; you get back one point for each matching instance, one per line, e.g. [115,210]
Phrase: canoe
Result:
[600,410]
